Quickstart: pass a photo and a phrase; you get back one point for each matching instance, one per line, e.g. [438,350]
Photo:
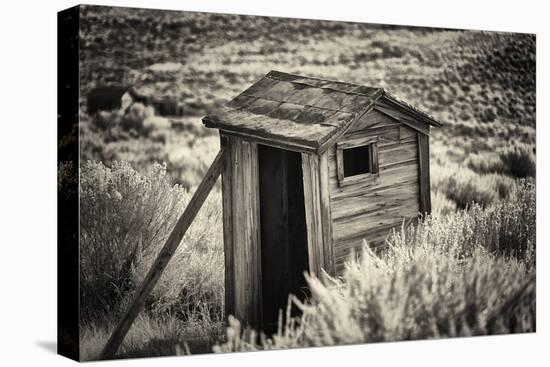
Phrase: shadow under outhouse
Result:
[312,168]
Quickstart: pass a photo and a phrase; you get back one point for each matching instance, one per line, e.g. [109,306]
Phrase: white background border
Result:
[28,181]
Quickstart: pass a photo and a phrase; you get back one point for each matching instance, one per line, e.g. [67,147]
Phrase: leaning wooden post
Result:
[164,256]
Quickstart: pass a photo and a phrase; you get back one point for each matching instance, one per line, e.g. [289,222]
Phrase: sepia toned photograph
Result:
[235,183]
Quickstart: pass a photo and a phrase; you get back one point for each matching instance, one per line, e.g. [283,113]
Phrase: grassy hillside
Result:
[481,85]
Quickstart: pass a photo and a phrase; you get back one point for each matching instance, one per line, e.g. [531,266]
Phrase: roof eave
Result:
[211,121]
[421,115]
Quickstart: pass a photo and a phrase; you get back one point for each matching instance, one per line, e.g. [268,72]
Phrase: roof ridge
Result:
[305,113]
[272,73]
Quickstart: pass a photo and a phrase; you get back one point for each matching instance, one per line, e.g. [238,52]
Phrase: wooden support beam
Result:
[241,210]
[424,173]
[318,213]
[164,256]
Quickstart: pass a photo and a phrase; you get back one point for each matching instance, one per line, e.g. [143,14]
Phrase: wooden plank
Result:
[352,143]
[406,133]
[326,215]
[388,134]
[372,200]
[310,168]
[164,255]
[227,212]
[254,230]
[312,128]
[403,118]
[373,240]
[384,147]
[246,233]
[339,164]
[237,231]
[371,234]
[292,146]
[388,176]
[373,119]
[388,154]
[396,153]
[318,213]
[424,173]
[390,101]
[374,160]
[350,227]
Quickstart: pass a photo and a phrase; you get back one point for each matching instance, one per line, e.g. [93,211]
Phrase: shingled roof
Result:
[302,112]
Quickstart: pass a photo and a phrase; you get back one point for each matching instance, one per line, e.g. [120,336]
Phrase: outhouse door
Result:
[284,251]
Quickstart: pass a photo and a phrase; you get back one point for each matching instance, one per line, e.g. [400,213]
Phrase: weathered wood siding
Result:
[240,198]
[424,171]
[369,208]
[316,180]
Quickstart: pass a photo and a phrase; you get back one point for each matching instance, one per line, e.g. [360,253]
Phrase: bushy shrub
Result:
[466,187]
[469,273]
[441,204]
[485,163]
[519,160]
[125,218]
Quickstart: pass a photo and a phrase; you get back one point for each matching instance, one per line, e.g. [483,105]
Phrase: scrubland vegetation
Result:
[125,217]
[465,274]
[466,270]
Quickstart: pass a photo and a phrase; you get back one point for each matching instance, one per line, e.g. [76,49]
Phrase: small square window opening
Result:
[356,161]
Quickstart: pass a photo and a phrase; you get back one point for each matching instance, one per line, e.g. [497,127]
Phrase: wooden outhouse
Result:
[312,167]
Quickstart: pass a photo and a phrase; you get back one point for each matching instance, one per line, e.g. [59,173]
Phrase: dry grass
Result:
[125,219]
[153,336]
[480,84]
[464,274]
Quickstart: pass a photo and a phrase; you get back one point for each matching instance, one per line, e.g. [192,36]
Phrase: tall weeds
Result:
[468,273]
[125,218]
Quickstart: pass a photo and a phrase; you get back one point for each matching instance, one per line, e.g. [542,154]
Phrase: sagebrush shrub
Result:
[483,163]
[466,187]
[519,160]
[125,218]
[441,204]
[468,273]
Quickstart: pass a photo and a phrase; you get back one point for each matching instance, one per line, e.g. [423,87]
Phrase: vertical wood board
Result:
[424,173]
[242,232]
[318,216]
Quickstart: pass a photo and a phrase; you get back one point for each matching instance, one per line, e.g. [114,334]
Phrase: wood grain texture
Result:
[227,212]
[311,113]
[245,228]
[371,120]
[404,118]
[349,227]
[369,208]
[240,198]
[374,238]
[326,215]
[318,215]
[164,255]
[424,173]
[416,114]
[371,200]
[388,175]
